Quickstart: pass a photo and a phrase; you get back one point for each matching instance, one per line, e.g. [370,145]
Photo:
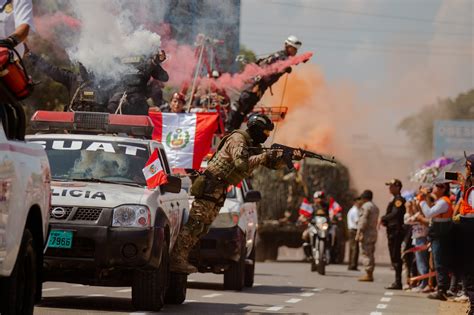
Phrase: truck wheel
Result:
[250,270]
[19,289]
[176,292]
[234,276]
[149,286]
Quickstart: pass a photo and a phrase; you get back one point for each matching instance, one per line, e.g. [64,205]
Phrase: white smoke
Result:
[108,34]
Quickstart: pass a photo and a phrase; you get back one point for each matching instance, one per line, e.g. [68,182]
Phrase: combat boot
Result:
[182,267]
[438,295]
[394,286]
[369,277]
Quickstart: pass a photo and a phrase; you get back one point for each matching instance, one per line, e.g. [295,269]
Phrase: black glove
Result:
[159,57]
[10,42]
[288,70]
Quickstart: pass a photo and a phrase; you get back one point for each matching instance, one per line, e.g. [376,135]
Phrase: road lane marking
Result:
[317,289]
[293,301]
[375,313]
[275,308]
[257,284]
[307,294]
[381,306]
[385,299]
[50,289]
[124,290]
[211,295]
[189,301]
[388,293]
[77,285]
[191,280]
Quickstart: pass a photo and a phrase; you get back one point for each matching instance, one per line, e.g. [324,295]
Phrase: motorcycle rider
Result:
[319,207]
[131,97]
[254,91]
[234,160]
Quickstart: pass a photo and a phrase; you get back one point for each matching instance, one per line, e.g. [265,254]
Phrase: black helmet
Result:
[261,121]
[259,127]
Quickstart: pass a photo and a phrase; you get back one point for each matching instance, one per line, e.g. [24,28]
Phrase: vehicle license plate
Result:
[60,239]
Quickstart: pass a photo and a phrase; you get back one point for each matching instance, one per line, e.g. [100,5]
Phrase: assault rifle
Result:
[288,153]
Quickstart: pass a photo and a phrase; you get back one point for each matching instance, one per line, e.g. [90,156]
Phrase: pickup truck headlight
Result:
[226,220]
[131,216]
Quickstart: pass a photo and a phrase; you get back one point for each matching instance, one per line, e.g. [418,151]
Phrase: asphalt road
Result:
[283,287]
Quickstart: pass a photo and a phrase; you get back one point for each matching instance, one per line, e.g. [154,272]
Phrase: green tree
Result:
[419,127]
[247,56]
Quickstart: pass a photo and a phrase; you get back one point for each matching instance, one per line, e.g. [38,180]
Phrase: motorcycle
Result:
[318,236]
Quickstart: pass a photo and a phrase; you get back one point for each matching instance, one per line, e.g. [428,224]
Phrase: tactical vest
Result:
[448,214]
[232,172]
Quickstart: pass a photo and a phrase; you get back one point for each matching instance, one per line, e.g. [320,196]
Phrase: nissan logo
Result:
[58,213]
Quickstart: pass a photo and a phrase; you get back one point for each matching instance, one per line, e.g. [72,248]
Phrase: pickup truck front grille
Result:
[87,214]
[68,214]
[60,213]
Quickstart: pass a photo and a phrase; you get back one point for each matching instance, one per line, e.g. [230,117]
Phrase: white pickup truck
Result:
[106,227]
[24,210]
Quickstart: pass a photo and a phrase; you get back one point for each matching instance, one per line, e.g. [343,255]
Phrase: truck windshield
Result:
[107,161]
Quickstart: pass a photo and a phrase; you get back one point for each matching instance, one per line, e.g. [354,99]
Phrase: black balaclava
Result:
[257,134]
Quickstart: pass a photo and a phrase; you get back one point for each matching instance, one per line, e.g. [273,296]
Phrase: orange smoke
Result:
[316,112]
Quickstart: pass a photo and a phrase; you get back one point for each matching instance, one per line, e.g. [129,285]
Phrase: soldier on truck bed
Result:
[83,92]
[254,91]
[131,97]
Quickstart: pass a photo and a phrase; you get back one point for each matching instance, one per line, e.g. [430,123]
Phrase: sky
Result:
[398,55]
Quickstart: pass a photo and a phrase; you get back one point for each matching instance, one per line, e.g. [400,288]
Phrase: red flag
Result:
[187,137]
[154,173]
[306,208]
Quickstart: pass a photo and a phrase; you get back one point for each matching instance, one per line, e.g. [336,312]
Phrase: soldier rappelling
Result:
[255,90]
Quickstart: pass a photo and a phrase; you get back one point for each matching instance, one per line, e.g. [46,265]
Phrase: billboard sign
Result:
[452,137]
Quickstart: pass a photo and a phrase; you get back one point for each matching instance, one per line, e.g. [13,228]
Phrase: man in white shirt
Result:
[352,219]
[16,21]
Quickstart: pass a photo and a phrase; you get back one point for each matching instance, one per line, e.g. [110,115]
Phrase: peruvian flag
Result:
[187,137]
[334,207]
[306,208]
[154,173]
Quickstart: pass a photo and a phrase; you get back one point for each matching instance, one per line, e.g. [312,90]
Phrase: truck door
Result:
[7,172]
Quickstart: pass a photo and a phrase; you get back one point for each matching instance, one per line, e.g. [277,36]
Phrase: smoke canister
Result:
[13,75]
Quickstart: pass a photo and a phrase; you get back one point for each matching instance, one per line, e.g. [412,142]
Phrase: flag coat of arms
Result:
[306,208]
[187,137]
[154,174]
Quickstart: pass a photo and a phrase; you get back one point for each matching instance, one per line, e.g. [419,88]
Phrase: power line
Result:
[378,15]
[345,29]
[391,50]
[457,48]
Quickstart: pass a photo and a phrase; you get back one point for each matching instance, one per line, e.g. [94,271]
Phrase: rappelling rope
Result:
[122,100]
[198,69]
[281,104]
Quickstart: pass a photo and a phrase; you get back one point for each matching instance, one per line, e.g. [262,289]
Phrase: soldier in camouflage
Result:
[237,155]
[367,233]
[254,91]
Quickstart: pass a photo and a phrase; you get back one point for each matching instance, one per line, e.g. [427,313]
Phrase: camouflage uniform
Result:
[233,150]
[367,230]
[254,91]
